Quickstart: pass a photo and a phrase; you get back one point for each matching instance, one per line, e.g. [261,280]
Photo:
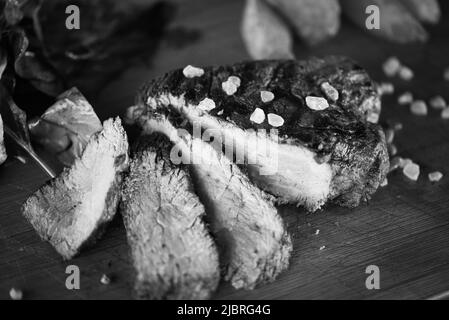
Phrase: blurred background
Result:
[122,45]
[219,41]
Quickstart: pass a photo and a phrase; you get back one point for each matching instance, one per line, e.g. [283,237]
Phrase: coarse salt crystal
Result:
[258,116]
[445,114]
[229,87]
[235,80]
[438,103]
[384,183]
[207,104]
[404,162]
[392,150]
[317,232]
[16,294]
[220,113]
[395,163]
[398,126]
[105,280]
[322,248]
[275,120]
[406,74]
[373,117]
[435,176]
[412,171]
[391,66]
[192,72]
[419,108]
[266,96]
[389,136]
[405,98]
[385,88]
[330,92]
[317,103]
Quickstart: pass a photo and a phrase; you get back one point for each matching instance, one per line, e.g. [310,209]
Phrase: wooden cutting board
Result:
[404,230]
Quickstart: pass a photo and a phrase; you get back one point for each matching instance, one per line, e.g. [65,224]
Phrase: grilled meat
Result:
[253,243]
[172,252]
[72,209]
[313,156]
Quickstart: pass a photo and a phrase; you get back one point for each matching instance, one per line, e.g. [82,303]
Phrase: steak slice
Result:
[253,242]
[172,252]
[315,156]
[71,209]
[3,155]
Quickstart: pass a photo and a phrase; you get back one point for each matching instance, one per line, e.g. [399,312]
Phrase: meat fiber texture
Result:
[334,154]
[253,243]
[3,155]
[72,209]
[173,254]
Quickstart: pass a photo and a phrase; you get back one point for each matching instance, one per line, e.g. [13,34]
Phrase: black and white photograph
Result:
[240,151]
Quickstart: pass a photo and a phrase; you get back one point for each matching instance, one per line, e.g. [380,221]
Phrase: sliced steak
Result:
[172,251]
[253,242]
[71,209]
[313,156]
[3,155]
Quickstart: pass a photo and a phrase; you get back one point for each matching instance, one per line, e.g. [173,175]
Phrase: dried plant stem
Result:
[30,152]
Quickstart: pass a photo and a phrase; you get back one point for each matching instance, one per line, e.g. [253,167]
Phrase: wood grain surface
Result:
[404,229]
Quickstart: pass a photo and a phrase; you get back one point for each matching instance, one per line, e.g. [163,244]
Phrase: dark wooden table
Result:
[404,230]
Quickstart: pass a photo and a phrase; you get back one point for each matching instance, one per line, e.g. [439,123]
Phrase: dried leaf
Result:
[13,11]
[3,64]
[112,32]
[113,35]
[66,127]
[6,76]
[14,117]
[31,66]
[15,127]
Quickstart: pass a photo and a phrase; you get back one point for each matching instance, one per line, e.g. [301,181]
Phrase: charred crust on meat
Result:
[339,136]
[291,82]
